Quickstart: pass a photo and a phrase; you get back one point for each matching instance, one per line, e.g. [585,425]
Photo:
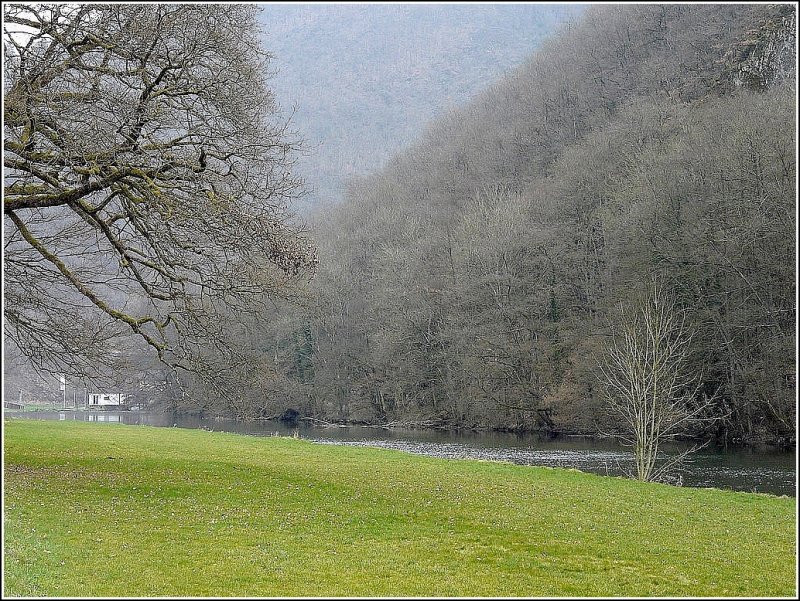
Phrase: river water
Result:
[759,469]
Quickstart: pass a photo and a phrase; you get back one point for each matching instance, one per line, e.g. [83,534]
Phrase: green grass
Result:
[110,510]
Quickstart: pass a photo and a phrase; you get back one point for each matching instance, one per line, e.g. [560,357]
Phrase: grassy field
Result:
[110,510]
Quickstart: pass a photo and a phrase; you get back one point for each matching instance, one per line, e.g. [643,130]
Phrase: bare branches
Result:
[647,385]
[144,166]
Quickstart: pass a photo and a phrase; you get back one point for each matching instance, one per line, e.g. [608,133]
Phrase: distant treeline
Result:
[472,282]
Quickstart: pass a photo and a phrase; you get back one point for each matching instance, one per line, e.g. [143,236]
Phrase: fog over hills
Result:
[365,79]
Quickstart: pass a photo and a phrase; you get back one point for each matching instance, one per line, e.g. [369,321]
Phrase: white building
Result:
[101,399]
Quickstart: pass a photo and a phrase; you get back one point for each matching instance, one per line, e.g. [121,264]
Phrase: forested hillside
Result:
[472,281]
[365,79]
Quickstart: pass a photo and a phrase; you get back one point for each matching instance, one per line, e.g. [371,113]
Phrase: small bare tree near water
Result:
[647,384]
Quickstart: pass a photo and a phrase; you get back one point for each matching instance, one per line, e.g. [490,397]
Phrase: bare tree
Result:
[147,181]
[647,383]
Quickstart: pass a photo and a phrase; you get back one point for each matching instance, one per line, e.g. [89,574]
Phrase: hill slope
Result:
[471,282]
[365,78]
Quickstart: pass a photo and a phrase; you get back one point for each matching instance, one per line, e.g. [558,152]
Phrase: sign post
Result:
[63,381]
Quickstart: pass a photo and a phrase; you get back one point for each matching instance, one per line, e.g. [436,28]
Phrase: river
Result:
[750,469]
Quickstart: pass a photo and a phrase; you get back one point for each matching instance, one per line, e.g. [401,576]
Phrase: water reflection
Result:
[749,469]
[104,417]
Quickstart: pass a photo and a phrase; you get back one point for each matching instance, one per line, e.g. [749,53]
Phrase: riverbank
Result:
[747,469]
[139,511]
[292,418]
[788,442]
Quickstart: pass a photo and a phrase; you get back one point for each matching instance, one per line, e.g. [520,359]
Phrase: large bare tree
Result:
[147,181]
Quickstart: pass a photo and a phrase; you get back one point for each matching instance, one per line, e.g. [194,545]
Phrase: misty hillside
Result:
[475,270]
[364,79]
[474,279]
